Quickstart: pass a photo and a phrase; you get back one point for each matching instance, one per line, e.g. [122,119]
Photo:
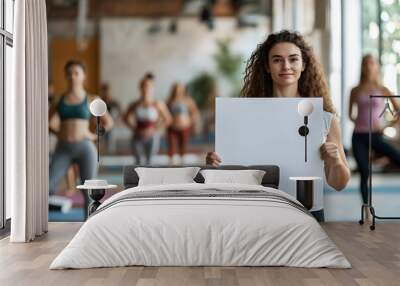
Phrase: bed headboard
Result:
[271,177]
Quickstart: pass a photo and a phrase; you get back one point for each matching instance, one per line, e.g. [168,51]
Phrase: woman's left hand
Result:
[329,151]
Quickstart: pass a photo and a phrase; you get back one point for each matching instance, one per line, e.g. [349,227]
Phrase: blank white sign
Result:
[265,131]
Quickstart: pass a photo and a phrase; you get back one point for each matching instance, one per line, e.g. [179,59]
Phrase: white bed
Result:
[251,225]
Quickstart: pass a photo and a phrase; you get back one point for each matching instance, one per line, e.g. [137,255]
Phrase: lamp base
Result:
[303,130]
[305,193]
[96,195]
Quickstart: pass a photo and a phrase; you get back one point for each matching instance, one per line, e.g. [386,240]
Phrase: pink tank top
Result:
[362,120]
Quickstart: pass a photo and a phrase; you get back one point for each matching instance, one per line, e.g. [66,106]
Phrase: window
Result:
[6,65]
[381,37]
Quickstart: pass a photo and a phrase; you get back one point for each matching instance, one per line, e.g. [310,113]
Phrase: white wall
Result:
[127,51]
[274,138]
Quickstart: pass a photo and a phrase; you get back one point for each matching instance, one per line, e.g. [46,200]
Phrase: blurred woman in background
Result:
[75,140]
[144,117]
[370,84]
[184,117]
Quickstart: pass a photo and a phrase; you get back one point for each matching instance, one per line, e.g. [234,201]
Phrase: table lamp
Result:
[98,108]
[95,187]
[305,108]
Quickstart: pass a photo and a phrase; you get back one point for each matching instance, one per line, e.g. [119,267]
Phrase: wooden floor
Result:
[375,257]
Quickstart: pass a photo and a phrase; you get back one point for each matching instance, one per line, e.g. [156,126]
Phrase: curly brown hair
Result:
[312,82]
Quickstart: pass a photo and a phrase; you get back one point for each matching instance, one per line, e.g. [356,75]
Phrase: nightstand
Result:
[96,193]
[305,190]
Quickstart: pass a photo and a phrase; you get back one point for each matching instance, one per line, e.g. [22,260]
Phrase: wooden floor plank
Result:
[375,258]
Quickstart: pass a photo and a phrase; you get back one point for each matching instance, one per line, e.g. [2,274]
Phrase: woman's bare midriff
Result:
[75,130]
[145,133]
[181,122]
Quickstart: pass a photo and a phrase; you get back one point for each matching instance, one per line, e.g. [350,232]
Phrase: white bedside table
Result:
[305,190]
[96,193]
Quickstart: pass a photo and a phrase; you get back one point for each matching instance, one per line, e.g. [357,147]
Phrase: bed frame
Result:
[270,179]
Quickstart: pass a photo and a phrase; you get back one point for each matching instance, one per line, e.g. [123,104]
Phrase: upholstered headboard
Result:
[271,177]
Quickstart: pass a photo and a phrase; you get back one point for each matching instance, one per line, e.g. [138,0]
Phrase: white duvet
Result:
[200,231]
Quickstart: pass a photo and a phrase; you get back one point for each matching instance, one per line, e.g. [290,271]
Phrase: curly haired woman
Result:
[284,65]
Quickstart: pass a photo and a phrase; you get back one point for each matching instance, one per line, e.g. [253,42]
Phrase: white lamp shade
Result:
[305,107]
[98,107]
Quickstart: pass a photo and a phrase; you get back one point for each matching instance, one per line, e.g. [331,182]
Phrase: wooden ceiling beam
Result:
[134,8]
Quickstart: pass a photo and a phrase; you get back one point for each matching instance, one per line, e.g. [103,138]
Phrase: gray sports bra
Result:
[179,108]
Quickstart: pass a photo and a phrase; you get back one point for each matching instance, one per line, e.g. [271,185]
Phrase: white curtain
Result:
[27,124]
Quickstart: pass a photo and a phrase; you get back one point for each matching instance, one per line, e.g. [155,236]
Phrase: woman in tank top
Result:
[184,116]
[284,65]
[370,84]
[75,140]
[144,117]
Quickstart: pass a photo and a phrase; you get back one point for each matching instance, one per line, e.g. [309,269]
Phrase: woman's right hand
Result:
[213,159]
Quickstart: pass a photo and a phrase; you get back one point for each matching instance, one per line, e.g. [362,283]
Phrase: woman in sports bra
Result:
[75,140]
[370,84]
[184,116]
[284,65]
[144,117]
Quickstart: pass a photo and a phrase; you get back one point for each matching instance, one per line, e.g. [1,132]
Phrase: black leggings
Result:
[360,152]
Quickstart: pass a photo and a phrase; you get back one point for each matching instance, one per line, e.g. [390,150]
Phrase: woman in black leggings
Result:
[370,84]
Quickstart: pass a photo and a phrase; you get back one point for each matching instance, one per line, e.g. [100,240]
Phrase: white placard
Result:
[265,131]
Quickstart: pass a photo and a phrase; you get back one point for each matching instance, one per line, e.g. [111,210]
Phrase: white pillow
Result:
[163,176]
[248,177]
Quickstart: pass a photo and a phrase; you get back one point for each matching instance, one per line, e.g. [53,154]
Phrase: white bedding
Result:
[200,231]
